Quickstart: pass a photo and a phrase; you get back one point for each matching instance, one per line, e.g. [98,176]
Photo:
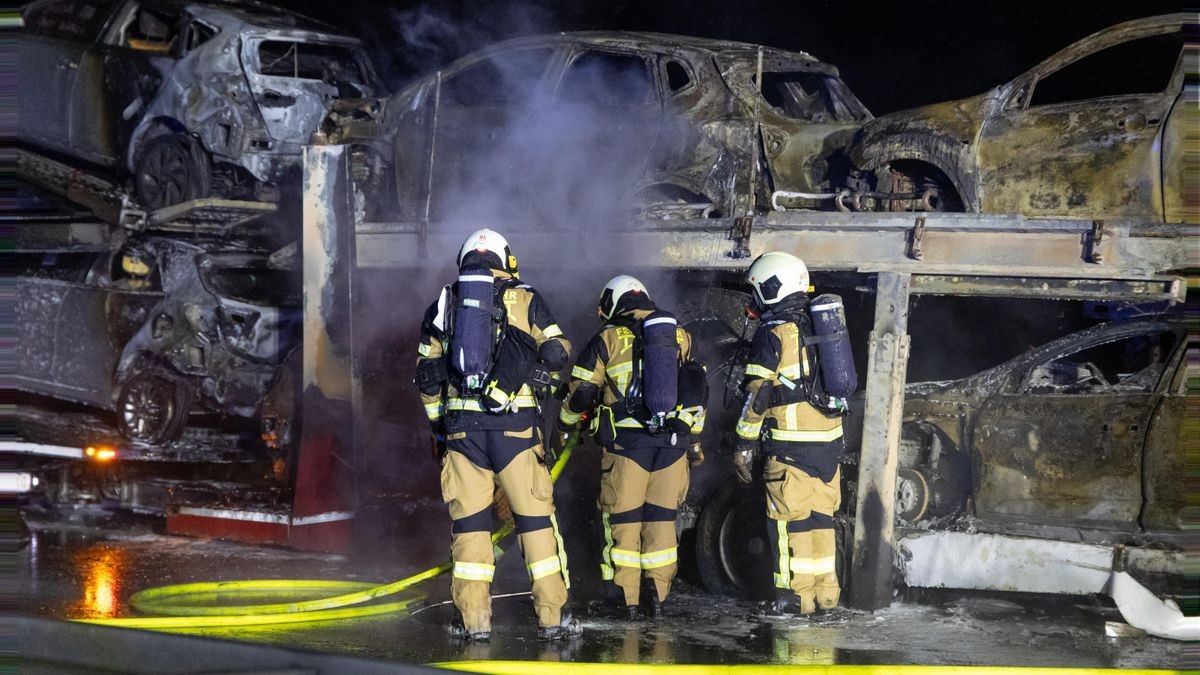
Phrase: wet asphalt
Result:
[84,564]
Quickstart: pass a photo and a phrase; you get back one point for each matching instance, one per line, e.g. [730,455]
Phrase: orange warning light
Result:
[100,454]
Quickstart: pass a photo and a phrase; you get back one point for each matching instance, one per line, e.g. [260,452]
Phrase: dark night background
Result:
[893,55]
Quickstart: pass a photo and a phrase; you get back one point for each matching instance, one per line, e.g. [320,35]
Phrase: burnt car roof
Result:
[635,40]
[257,14]
[984,382]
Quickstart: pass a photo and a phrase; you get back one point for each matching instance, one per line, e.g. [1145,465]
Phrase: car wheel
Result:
[733,555]
[152,408]
[912,495]
[171,170]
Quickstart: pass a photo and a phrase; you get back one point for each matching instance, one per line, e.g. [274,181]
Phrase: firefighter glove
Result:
[743,461]
[695,455]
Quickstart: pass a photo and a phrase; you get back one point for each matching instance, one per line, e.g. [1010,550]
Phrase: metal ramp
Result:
[111,203]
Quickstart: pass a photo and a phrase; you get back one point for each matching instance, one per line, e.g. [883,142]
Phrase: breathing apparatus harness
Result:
[809,388]
[510,361]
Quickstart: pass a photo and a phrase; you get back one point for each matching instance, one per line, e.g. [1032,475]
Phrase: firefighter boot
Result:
[567,628]
[650,598]
[458,630]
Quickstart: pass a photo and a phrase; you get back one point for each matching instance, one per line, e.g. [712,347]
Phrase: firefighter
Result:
[488,346]
[644,396]
[789,418]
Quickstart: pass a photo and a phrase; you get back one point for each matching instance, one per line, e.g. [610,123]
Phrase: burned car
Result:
[154,330]
[1081,134]
[595,121]
[188,99]
[1079,440]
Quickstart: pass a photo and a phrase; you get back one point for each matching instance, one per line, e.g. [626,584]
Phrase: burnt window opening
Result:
[1134,364]
[507,77]
[1107,72]
[812,97]
[607,79]
[262,286]
[66,19]
[198,33]
[70,266]
[151,30]
[331,64]
[677,76]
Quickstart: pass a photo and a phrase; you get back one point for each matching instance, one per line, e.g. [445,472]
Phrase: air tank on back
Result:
[833,349]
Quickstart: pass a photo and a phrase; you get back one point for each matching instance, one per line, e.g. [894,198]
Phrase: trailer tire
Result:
[733,555]
[153,408]
[170,170]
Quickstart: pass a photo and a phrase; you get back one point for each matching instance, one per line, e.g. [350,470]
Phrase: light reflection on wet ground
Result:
[78,572]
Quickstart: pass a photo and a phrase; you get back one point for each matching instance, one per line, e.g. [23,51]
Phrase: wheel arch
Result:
[942,154]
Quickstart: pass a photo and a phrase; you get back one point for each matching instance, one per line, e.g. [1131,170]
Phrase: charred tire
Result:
[153,408]
[733,555]
[172,169]
[912,495]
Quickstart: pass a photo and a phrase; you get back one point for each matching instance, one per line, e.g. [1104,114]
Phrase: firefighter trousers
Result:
[640,493]
[475,462]
[800,510]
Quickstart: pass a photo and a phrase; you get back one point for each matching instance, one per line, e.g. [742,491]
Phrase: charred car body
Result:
[189,99]
[154,330]
[647,120]
[1081,134]
[1079,440]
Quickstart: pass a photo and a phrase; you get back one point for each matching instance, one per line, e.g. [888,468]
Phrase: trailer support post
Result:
[871,568]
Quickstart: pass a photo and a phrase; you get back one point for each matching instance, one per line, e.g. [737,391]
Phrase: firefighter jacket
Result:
[526,312]
[601,380]
[779,375]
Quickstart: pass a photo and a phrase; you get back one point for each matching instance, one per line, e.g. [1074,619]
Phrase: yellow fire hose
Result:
[178,608]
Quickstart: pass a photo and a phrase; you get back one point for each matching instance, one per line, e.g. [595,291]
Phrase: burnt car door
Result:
[293,79]
[1080,134]
[808,117]
[482,146]
[606,117]
[50,49]
[97,319]
[1062,442]
[120,75]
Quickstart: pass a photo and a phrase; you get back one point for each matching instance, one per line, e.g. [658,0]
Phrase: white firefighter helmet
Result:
[489,241]
[615,289]
[774,276]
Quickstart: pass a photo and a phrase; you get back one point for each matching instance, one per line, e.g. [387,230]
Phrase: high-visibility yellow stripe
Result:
[755,370]
[424,349]
[749,430]
[806,436]
[628,423]
[581,373]
[813,566]
[783,575]
[474,571]
[544,567]
[433,410]
[620,369]
[552,331]
[567,417]
[656,559]
[623,558]
[818,668]
[471,404]
[606,568]
[562,552]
